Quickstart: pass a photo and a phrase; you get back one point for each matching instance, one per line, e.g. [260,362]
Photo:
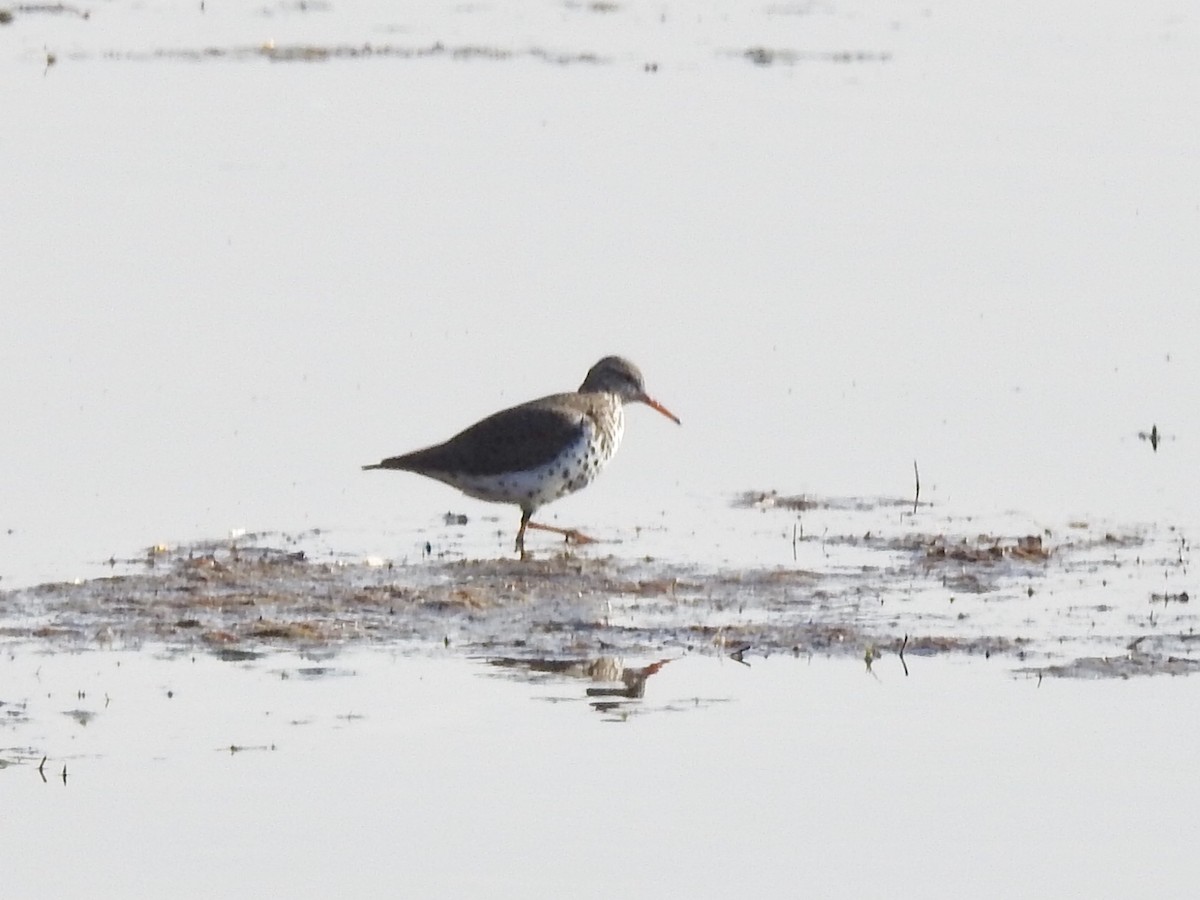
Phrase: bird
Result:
[532,454]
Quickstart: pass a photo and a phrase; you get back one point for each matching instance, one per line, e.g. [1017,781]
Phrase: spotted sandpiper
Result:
[539,451]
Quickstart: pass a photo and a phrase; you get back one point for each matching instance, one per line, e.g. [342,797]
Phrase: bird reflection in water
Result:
[615,683]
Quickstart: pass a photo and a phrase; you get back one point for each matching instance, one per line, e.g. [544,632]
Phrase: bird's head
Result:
[616,375]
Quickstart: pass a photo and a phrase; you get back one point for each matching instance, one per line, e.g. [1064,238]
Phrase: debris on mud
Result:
[318,53]
[766,56]
[765,500]
[874,584]
[987,548]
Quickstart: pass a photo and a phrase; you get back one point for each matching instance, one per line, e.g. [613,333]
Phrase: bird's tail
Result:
[392,462]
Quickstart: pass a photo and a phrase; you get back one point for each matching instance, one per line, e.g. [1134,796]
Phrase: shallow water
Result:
[231,283]
[1078,602]
[371,772]
[251,248]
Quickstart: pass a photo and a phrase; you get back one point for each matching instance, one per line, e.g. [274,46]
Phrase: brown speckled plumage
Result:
[539,451]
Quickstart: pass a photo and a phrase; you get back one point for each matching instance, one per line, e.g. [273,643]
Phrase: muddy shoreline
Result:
[1088,603]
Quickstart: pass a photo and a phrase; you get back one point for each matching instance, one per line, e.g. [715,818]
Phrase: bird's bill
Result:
[658,407]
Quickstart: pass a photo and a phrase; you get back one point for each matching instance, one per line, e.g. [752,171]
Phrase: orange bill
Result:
[655,405]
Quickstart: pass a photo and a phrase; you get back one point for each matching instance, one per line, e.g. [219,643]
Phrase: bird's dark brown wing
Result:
[513,440]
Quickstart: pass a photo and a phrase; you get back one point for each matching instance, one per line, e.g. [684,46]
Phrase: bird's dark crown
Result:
[615,375]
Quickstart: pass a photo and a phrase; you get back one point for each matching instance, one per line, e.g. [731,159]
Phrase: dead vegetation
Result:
[873,585]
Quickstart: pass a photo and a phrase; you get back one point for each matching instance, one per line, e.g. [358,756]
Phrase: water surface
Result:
[369,773]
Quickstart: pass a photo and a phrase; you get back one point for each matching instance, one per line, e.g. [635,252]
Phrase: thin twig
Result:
[917,495]
[904,644]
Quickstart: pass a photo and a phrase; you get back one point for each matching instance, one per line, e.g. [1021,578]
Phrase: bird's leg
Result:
[573,536]
[525,514]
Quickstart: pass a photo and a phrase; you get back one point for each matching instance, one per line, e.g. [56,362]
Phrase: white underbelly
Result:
[571,471]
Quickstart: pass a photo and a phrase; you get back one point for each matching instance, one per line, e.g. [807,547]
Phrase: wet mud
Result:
[878,581]
[273,52]
[315,52]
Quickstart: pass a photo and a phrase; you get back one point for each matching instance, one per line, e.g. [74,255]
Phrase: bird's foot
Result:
[570,535]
